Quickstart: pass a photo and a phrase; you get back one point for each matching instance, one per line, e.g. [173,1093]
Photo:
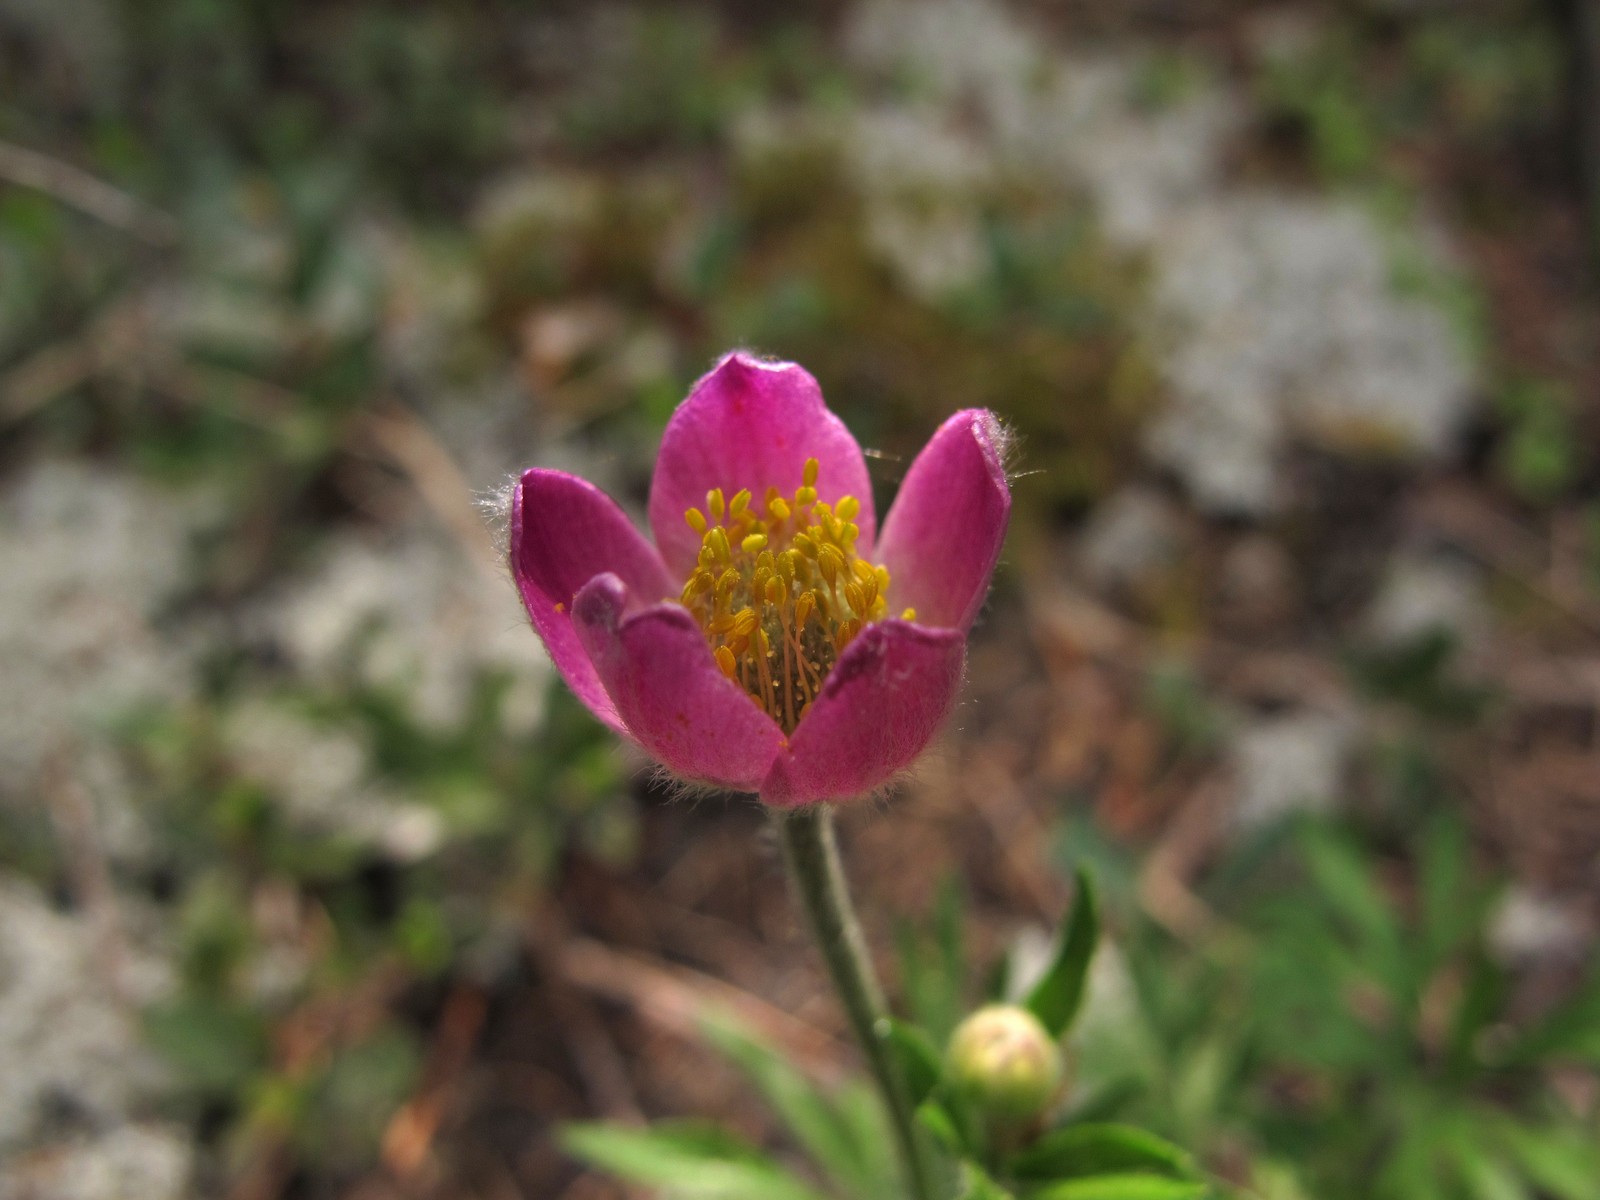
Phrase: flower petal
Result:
[880,706]
[564,532]
[659,672]
[942,536]
[751,424]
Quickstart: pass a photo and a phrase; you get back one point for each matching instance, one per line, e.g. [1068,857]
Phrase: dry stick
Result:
[78,189]
[677,999]
[412,447]
[408,1137]
[72,813]
[812,856]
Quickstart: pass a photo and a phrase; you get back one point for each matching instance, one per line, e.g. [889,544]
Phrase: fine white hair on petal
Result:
[1007,445]
[495,506]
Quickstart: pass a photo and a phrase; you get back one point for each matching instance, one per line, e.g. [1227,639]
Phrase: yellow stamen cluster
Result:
[781,591]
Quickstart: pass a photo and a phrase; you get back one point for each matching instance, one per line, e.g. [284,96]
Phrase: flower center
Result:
[781,592]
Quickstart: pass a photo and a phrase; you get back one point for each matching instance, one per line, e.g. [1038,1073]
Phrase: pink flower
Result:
[776,642]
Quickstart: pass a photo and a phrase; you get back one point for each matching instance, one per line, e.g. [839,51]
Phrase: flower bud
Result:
[1007,1062]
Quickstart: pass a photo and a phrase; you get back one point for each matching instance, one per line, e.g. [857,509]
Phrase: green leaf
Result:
[977,1185]
[216,1044]
[932,970]
[920,1066]
[936,1118]
[1122,1187]
[1482,998]
[1348,886]
[1099,1149]
[1486,1177]
[1449,911]
[1056,998]
[697,1162]
[810,1115]
[1105,1100]
[1563,1163]
[1572,1030]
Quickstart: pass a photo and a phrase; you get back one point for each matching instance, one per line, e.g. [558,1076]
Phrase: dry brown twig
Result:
[115,339]
[404,440]
[88,194]
[408,1138]
[72,814]
[678,999]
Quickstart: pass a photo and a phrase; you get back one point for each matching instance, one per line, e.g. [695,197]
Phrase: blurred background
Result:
[313,885]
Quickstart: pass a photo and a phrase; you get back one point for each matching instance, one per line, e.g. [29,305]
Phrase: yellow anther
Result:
[830,562]
[856,598]
[908,614]
[780,591]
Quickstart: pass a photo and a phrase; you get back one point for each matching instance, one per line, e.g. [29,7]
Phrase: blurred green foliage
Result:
[1364,1038]
[1374,1047]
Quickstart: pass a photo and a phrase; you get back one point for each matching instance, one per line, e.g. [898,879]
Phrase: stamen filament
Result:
[781,596]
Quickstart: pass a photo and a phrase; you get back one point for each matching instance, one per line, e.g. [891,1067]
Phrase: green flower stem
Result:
[812,856]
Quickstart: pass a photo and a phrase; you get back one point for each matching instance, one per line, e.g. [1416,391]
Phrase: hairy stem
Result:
[812,857]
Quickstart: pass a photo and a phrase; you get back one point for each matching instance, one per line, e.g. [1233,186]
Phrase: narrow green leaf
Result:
[949,925]
[1449,911]
[919,1061]
[1564,1163]
[1572,1030]
[809,1114]
[1346,883]
[934,968]
[1480,1003]
[1486,1177]
[977,1185]
[1106,1100]
[936,1118]
[1056,998]
[1122,1187]
[696,1162]
[1099,1149]
[860,1108]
